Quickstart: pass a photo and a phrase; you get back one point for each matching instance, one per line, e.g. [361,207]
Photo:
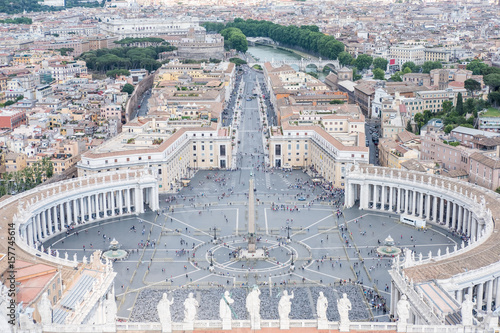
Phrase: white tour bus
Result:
[412,220]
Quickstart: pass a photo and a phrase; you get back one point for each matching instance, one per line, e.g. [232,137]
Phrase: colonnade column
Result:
[454,217]
[460,224]
[29,233]
[474,230]
[460,218]
[44,224]
[441,210]
[391,198]
[479,297]
[497,292]
[139,200]
[69,217]
[120,201]
[374,197]
[420,204]
[63,216]
[406,201]
[428,207]
[414,202]
[384,197]
[75,216]
[398,200]
[127,200]
[50,220]
[113,204]
[92,201]
[434,209]
[448,217]
[489,296]
[38,226]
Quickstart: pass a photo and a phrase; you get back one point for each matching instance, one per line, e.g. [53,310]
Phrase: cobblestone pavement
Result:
[172,250]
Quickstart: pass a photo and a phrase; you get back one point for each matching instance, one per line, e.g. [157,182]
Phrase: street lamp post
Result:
[288,233]
[215,234]
[211,267]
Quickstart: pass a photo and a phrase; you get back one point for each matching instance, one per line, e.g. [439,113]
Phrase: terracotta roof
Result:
[485,160]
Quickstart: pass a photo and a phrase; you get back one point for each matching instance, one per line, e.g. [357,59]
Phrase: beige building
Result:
[15,162]
[171,152]
[404,53]
[437,54]
[302,146]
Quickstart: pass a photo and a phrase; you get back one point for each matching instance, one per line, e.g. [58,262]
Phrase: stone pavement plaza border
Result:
[314,231]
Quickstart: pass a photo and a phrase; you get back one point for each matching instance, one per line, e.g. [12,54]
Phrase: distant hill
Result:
[18,6]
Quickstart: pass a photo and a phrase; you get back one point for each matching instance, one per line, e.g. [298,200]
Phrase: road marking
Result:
[237,219]
[265,218]
[311,226]
[203,232]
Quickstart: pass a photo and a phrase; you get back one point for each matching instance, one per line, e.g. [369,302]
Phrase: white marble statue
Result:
[253,307]
[403,310]
[467,307]
[111,309]
[163,308]
[224,306]
[4,310]
[190,308]
[45,309]
[321,306]
[344,306]
[285,305]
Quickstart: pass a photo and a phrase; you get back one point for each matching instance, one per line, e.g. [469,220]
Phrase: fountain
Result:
[388,249]
[114,251]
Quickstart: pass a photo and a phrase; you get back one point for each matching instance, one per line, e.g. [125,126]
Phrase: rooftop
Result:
[491,112]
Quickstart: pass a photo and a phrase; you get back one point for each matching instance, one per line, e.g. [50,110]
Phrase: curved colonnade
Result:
[473,269]
[469,268]
[50,210]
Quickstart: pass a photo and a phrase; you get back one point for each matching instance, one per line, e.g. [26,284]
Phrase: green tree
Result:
[494,97]
[430,65]
[476,66]
[469,106]
[117,72]
[460,105]
[128,88]
[493,81]
[396,77]
[380,63]
[447,107]
[355,75]
[363,61]
[378,74]
[237,61]
[411,65]
[345,58]
[471,86]
[234,39]
[407,70]
[409,128]
[497,190]
[448,128]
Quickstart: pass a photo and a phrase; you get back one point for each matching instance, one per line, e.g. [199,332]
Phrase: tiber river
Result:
[263,53]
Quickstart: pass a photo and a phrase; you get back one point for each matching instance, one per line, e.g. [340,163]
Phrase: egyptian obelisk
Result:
[251,218]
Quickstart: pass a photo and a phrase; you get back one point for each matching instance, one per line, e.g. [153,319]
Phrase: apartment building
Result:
[450,157]
[403,53]
[485,170]
[302,146]
[171,152]
[437,54]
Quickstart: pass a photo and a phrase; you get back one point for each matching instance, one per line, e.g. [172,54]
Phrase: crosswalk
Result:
[268,180]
